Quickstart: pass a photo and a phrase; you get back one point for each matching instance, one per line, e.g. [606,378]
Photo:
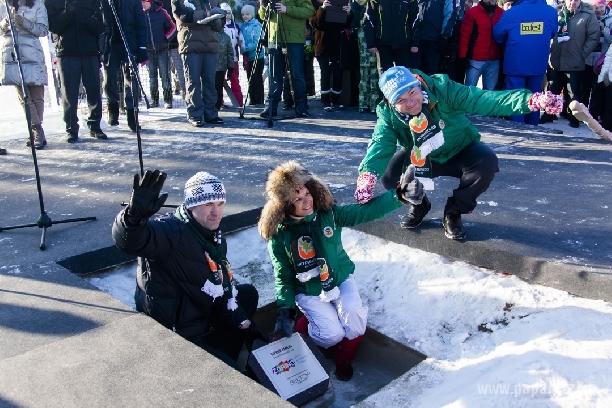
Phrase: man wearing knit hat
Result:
[425,116]
[184,280]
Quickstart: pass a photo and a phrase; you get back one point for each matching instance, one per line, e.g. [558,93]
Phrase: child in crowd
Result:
[235,34]
[160,29]
[253,63]
[225,64]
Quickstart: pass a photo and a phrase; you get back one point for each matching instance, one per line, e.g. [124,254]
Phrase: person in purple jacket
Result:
[525,31]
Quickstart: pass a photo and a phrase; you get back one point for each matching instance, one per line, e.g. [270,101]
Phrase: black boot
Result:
[131,120]
[415,216]
[453,227]
[113,113]
[300,109]
[269,110]
[154,98]
[168,98]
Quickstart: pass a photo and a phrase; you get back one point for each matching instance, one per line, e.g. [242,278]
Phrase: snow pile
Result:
[491,339]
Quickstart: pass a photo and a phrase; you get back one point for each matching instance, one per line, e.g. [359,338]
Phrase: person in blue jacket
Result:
[253,64]
[525,31]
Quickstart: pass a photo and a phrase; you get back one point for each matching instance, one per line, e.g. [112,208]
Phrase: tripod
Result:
[133,74]
[265,31]
[44,221]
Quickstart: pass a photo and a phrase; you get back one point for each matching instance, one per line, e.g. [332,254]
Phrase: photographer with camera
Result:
[286,39]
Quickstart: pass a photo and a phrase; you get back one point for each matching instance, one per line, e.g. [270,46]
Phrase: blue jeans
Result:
[489,71]
[295,56]
[534,84]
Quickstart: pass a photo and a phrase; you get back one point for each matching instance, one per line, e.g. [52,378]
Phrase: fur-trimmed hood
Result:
[284,179]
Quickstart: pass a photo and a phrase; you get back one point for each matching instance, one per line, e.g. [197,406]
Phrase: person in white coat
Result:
[30,22]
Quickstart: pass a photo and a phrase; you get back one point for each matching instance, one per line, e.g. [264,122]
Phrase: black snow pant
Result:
[475,167]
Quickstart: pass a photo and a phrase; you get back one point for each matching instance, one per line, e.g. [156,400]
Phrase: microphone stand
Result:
[134,74]
[44,221]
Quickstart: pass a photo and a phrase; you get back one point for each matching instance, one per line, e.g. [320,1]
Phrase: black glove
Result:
[70,8]
[410,190]
[230,72]
[145,200]
[93,23]
[284,322]
[142,56]
[254,332]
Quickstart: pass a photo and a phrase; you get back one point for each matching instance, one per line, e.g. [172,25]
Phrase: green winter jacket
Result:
[288,27]
[448,103]
[327,225]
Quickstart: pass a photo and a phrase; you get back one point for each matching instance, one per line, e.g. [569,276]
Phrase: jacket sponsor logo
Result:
[328,231]
[305,247]
[441,124]
[532,28]
[416,158]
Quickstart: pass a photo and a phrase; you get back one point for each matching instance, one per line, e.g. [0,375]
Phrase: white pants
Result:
[330,322]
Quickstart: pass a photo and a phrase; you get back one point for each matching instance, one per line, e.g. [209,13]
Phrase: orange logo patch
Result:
[305,248]
[418,123]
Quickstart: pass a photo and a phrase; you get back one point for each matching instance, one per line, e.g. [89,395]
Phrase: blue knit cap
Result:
[395,81]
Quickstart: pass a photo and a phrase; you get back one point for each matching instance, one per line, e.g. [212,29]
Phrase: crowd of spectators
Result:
[198,46]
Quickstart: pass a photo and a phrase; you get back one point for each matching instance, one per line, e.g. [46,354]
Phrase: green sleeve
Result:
[381,148]
[302,10]
[284,276]
[489,103]
[262,12]
[355,214]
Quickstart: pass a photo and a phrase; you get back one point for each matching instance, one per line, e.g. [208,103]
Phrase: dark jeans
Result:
[388,57]
[534,84]
[73,70]
[295,56]
[428,57]
[159,62]
[225,341]
[601,104]
[475,167]
[256,86]
[111,70]
[331,80]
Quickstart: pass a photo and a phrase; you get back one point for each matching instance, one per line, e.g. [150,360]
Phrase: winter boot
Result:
[40,141]
[271,110]
[131,120]
[415,216]
[168,98]
[113,113]
[300,109]
[453,227]
[154,98]
[344,352]
[97,134]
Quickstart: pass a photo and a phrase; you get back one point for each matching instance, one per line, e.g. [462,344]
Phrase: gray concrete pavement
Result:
[546,218]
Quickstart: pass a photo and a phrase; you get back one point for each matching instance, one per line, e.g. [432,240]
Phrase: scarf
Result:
[563,34]
[220,281]
[310,258]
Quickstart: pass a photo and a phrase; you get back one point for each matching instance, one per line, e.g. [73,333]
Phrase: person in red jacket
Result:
[476,45]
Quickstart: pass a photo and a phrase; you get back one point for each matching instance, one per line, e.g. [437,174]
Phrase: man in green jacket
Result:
[425,115]
[287,19]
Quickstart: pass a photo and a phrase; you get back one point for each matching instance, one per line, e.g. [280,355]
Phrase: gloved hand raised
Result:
[145,200]
[551,103]
[410,189]
[365,187]
[285,321]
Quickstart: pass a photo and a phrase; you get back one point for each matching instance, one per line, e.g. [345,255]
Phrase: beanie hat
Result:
[203,188]
[395,81]
[598,2]
[247,8]
[227,8]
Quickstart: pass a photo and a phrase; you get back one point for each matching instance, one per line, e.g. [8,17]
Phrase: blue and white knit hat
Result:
[395,81]
[203,188]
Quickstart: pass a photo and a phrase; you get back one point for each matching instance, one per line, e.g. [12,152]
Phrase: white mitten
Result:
[308,275]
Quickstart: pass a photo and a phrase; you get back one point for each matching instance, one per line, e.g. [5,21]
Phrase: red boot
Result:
[344,352]
[301,325]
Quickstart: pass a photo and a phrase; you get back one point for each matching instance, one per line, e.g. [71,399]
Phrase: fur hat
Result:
[203,188]
[247,8]
[282,181]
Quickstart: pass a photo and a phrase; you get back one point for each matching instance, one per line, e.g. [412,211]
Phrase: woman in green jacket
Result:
[425,116]
[303,228]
